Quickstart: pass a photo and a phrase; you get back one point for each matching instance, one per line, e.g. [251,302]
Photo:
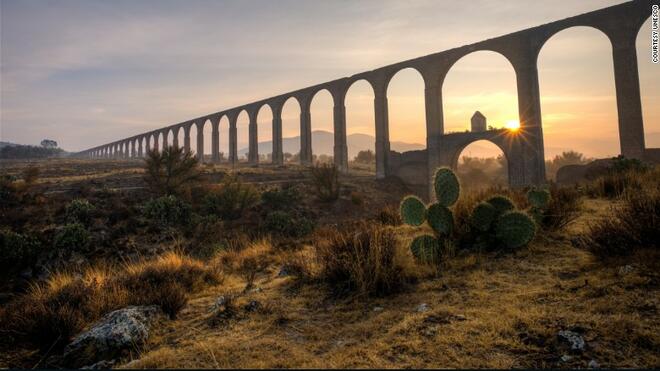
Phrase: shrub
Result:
[171,171]
[363,259]
[326,182]
[72,237]
[250,261]
[17,251]
[280,199]
[79,211]
[562,208]
[167,211]
[632,227]
[286,224]
[389,215]
[365,157]
[231,200]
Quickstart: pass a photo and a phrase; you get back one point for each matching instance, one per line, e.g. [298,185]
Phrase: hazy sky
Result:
[89,72]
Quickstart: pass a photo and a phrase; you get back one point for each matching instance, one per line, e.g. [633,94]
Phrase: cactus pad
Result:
[413,211]
[515,229]
[446,186]
[538,198]
[426,249]
[502,204]
[483,216]
[440,218]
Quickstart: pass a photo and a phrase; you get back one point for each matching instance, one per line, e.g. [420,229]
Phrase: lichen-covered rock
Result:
[120,331]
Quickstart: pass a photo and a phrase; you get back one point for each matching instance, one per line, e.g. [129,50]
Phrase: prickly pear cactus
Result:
[515,229]
[446,186]
[538,198]
[502,204]
[483,216]
[440,218]
[426,249]
[413,211]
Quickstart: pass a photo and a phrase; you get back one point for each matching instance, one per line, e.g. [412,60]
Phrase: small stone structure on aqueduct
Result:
[523,149]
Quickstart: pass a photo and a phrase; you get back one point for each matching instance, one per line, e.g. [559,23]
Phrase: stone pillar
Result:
[215,139]
[530,134]
[434,128]
[147,144]
[155,136]
[200,143]
[233,139]
[133,152]
[278,154]
[253,147]
[175,137]
[340,148]
[186,138]
[382,131]
[628,99]
[127,149]
[140,151]
[305,133]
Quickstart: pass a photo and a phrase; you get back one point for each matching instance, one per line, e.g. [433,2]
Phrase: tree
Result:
[48,143]
[365,157]
[170,171]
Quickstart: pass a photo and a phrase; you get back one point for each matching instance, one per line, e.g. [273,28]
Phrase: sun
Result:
[513,125]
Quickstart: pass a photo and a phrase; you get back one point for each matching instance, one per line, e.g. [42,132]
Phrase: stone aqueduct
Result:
[523,149]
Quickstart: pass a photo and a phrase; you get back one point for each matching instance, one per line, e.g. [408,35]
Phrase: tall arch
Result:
[406,111]
[265,133]
[223,142]
[484,82]
[578,96]
[360,128]
[291,130]
[193,139]
[322,141]
[243,135]
[649,75]
[208,138]
[481,164]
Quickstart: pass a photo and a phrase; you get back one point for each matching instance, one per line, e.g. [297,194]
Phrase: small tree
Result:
[170,171]
[365,157]
[48,143]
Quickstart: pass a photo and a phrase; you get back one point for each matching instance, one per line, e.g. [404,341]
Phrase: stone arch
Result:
[406,109]
[291,110]
[243,134]
[207,129]
[467,75]
[360,122]
[488,167]
[575,92]
[649,75]
[265,132]
[321,104]
[223,140]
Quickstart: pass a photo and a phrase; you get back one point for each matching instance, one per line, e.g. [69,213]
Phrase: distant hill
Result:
[323,143]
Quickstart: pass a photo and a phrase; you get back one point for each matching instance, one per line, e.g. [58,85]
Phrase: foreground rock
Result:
[116,334]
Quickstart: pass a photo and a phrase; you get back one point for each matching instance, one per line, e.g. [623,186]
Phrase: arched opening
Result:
[180,135]
[323,138]
[291,131]
[223,129]
[649,75]
[193,139]
[480,165]
[360,127]
[208,137]
[265,134]
[243,135]
[406,111]
[578,98]
[483,82]
[167,138]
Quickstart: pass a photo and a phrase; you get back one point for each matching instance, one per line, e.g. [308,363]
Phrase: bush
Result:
[326,182]
[250,261]
[632,227]
[364,259]
[231,200]
[167,211]
[79,211]
[171,171]
[287,224]
[562,209]
[389,215]
[72,237]
[17,251]
[281,199]
[366,157]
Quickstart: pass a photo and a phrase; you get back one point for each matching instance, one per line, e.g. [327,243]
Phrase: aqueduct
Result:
[523,149]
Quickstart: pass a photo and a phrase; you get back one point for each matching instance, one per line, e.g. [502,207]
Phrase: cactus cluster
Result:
[494,221]
[538,199]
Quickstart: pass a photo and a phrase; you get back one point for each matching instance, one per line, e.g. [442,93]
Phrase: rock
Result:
[378,309]
[565,358]
[593,364]
[623,270]
[252,306]
[422,308]
[573,339]
[117,332]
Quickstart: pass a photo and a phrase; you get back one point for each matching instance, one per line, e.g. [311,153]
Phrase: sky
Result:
[85,73]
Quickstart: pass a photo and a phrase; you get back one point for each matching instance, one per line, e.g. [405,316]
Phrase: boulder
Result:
[116,334]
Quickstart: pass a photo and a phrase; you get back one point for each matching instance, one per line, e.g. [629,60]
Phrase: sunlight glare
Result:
[513,125]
